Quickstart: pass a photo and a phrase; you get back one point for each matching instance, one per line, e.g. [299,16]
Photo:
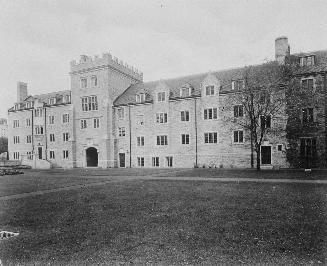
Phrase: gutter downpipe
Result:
[196,134]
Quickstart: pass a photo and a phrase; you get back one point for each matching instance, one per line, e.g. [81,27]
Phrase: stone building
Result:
[111,118]
[3,128]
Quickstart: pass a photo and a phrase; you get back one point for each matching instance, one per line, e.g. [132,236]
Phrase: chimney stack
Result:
[21,91]
[282,49]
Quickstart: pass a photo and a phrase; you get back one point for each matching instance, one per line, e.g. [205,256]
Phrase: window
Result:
[121,131]
[66,99]
[185,92]
[162,140]
[51,154]
[83,123]
[238,136]
[65,136]
[52,138]
[65,118]
[185,139]
[161,96]
[307,83]
[279,147]
[210,90]
[29,155]
[265,122]
[52,101]
[16,155]
[238,84]
[307,60]
[65,154]
[238,110]
[140,141]
[121,113]
[89,103]
[29,139]
[16,139]
[28,122]
[140,120]
[96,122]
[210,113]
[140,98]
[161,118]
[307,115]
[140,161]
[155,161]
[169,161]
[16,123]
[83,83]
[28,104]
[210,137]
[185,116]
[38,112]
[38,130]
[264,97]
[94,81]
[16,106]
[51,119]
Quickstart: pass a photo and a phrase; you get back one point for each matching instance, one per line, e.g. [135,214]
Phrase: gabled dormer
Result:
[238,84]
[210,86]
[307,60]
[186,90]
[140,97]
[161,93]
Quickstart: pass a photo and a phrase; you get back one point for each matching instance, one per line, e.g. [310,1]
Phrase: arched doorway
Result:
[91,157]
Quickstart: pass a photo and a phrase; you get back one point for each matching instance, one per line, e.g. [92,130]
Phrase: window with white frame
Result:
[161,96]
[155,161]
[66,98]
[121,131]
[28,105]
[140,120]
[238,136]
[307,83]
[185,139]
[52,101]
[38,112]
[94,81]
[162,140]
[16,139]
[185,92]
[52,154]
[140,98]
[16,106]
[307,60]
[65,154]
[211,137]
[238,84]
[83,123]
[83,83]
[121,113]
[169,161]
[38,130]
[140,141]
[15,123]
[185,116]
[28,139]
[16,155]
[140,161]
[51,119]
[89,103]
[96,122]
[210,113]
[52,137]
[161,118]
[65,136]
[65,118]
[29,155]
[210,90]
[238,110]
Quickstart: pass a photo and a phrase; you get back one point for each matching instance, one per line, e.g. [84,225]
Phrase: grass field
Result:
[139,222]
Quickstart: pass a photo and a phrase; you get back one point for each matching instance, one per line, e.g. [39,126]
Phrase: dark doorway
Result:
[308,152]
[39,150]
[91,157]
[121,159]
[265,154]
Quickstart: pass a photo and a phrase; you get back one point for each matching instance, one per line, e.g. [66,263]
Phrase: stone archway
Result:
[91,157]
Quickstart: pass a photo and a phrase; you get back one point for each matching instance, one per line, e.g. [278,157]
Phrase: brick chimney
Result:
[282,49]
[21,91]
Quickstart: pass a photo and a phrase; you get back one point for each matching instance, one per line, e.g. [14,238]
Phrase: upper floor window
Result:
[238,110]
[96,122]
[52,101]
[307,115]
[264,97]
[210,90]
[83,123]
[51,119]
[307,83]
[52,137]
[161,118]
[161,96]
[28,122]
[185,116]
[140,119]
[66,99]
[65,118]
[15,123]
[28,104]
[28,139]
[65,136]
[140,141]
[83,83]
[185,92]
[211,137]
[16,106]
[307,60]
[89,103]
[121,113]
[140,98]
[121,131]
[38,130]
[265,122]
[16,139]
[238,84]
[210,113]
[238,136]
[38,112]
[94,81]
[185,139]
[162,140]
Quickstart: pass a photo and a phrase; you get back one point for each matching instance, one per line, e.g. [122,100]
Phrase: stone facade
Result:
[3,128]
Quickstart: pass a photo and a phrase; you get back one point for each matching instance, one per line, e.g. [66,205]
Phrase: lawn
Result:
[169,223]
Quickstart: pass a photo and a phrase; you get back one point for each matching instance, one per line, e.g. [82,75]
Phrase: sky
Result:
[162,38]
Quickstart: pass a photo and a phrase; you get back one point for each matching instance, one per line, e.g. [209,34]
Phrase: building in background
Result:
[3,127]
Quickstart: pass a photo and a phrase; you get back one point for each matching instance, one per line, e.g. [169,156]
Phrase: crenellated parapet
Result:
[87,63]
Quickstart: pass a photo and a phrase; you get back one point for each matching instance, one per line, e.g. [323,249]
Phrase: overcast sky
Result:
[162,38]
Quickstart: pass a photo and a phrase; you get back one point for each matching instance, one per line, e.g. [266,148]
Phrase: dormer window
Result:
[185,92]
[238,84]
[161,96]
[16,106]
[307,83]
[83,83]
[307,60]
[52,101]
[210,90]
[140,98]
[28,105]
[66,99]
[94,81]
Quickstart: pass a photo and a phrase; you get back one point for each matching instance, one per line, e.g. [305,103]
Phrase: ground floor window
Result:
[65,154]
[308,152]
[155,161]
[238,136]
[140,161]
[29,155]
[16,155]
[51,154]
[169,160]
